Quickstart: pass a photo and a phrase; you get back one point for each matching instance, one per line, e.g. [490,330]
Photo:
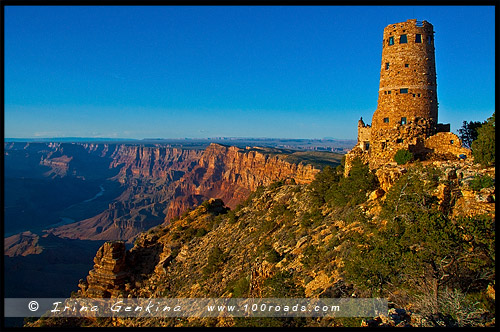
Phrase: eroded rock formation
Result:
[110,272]
[230,173]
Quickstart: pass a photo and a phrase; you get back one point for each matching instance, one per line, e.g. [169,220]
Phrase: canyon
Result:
[59,195]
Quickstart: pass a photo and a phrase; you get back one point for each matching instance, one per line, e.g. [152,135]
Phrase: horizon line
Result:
[178,138]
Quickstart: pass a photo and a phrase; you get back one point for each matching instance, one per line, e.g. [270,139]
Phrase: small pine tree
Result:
[403,156]
[468,133]
[483,148]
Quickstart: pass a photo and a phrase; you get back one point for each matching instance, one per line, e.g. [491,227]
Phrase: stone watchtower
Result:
[407,110]
[407,76]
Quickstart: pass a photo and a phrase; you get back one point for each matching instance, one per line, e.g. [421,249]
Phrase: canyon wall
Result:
[230,173]
[158,182]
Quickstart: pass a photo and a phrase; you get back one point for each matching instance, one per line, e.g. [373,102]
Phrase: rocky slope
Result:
[275,245]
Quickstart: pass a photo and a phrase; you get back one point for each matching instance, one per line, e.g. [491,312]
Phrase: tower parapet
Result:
[364,135]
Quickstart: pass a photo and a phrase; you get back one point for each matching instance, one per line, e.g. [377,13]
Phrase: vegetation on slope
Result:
[483,148]
[327,239]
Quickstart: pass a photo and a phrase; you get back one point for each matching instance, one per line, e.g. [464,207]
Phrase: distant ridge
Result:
[67,139]
[318,144]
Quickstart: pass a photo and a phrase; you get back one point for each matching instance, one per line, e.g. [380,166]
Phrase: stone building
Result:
[407,111]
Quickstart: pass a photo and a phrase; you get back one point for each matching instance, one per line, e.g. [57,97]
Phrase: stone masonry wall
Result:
[447,144]
[407,75]
[364,135]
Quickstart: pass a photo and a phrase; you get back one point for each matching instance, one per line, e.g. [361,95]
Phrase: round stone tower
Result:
[407,78]
[406,117]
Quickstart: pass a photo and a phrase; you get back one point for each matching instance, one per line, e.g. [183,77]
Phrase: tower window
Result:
[386,65]
[429,40]
[403,90]
[386,120]
[418,38]
[403,120]
[403,39]
[407,65]
[399,140]
[391,40]
[389,92]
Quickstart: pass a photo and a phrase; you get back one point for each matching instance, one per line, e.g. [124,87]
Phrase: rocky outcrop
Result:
[59,166]
[22,244]
[110,272]
[399,317]
[120,221]
[396,317]
[260,273]
[454,191]
[388,175]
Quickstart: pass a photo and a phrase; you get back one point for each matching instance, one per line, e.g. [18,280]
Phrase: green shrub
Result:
[311,257]
[481,181]
[270,254]
[215,259]
[201,232]
[241,287]
[403,156]
[186,213]
[420,245]
[311,218]
[281,212]
[282,284]
[232,218]
[276,184]
[322,184]
[353,189]
[215,206]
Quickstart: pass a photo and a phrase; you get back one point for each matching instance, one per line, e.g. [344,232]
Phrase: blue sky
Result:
[173,72]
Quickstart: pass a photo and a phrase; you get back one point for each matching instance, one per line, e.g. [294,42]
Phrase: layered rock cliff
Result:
[156,162]
[230,173]
[161,183]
